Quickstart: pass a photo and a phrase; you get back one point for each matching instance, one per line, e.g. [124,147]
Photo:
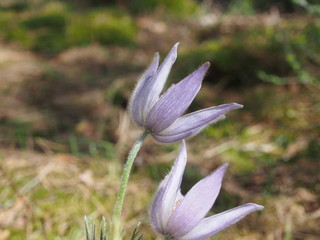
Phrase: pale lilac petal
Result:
[199,118]
[183,135]
[172,138]
[196,204]
[172,187]
[154,88]
[155,210]
[137,101]
[190,124]
[175,101]
[216,223]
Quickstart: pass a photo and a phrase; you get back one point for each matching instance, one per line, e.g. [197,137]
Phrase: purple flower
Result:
[183,217]
[161,115]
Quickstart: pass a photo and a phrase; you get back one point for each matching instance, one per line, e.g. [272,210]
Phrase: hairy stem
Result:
[126,174]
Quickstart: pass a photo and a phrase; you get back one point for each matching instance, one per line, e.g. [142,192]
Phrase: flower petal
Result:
[183,135]
[137,101]
[154,88]
[196,204]
[172,187]
[214,224]
[155,207]
[193,123]
[198,119]
[175,101]
[172,138]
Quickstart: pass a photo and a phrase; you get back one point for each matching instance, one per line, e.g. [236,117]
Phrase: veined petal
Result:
[154,88]
[137,101]
[216,223]
[172,138]
[196,204]
[175,101]
[172,187]
[199,118]
[183,135]
[155,210]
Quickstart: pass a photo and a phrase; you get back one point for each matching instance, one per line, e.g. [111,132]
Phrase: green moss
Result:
[103,26]
[221,129]
[53,22]
[244,7]
[241,161]
[110,27]
[79,30]
[55,27]
[5,21]
[176,7]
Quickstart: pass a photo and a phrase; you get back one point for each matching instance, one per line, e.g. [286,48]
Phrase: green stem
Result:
[126,173]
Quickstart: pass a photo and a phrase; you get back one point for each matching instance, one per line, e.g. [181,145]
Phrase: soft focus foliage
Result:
[56,27]
[63,128]
[176,7]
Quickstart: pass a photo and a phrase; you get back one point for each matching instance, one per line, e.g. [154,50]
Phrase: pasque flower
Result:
[161,115]
[181,217]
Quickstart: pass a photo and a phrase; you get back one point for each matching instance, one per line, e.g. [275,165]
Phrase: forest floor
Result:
[64,135]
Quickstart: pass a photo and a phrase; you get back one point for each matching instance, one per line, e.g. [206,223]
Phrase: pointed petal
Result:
[216,223]
[156,207]
[199,118]
[196,204]
[172,188]
[137,101]
[172,138]
[190,124]
[154,88]
[183,135]
[175,101]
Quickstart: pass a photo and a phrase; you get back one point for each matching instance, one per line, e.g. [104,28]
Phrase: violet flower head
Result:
[161,115]
[181,217]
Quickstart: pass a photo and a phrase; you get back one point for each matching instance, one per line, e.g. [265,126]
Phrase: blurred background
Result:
[67,69]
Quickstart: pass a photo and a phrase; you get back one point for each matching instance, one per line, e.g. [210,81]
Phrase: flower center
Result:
[177,202]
